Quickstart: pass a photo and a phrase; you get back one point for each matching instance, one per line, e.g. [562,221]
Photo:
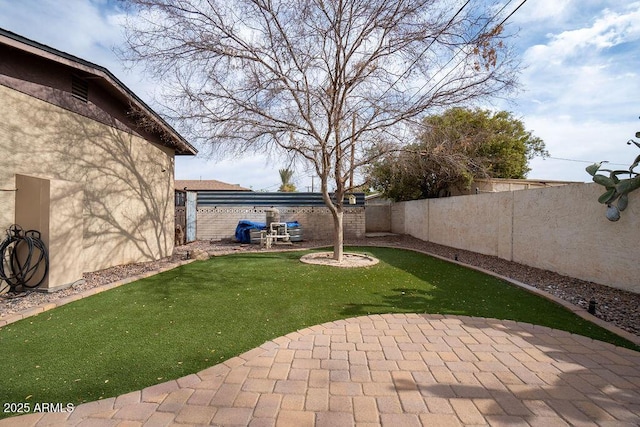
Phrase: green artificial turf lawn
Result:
[187,319]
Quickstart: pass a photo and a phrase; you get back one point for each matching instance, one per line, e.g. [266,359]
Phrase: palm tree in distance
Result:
[285,176]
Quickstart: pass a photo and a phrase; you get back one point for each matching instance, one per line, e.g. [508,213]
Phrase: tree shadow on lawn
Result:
[405,281]
[565,378]
[567,386]
[403,300]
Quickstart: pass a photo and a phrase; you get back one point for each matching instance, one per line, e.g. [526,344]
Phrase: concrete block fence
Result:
[216,223]
[561,229]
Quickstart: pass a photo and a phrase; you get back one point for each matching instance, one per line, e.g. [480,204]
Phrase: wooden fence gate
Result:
[185,217]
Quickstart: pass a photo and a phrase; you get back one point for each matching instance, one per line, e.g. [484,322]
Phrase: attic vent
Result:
[79,88]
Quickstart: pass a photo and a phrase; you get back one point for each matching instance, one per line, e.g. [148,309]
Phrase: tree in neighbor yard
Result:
[285,176]
[334,83]
[452,149]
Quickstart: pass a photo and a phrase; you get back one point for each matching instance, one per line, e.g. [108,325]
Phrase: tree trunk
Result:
[336,209]
[338,240]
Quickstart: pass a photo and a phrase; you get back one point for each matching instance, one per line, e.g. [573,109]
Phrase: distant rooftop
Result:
[207,185]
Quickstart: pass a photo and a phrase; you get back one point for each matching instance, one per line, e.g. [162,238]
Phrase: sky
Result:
[579,86]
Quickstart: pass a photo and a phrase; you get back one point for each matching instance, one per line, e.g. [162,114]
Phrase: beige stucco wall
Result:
[398,216]
[417,219]
[127,182]
[378,218]
[494,185]
[476,223]
[561,229]
[54,208]
[564,229]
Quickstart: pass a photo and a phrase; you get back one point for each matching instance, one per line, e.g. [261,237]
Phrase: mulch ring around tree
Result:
[349,260]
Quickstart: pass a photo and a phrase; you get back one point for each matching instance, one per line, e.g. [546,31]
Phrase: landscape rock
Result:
[199,254]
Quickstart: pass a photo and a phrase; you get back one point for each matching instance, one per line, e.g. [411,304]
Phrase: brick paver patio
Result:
[392,370]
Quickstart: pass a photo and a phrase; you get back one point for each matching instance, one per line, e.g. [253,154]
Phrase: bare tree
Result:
[334,83]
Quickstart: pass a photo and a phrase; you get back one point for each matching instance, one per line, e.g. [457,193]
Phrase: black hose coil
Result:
[22,254]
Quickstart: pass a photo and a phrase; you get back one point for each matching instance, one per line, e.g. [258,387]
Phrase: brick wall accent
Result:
[216,223]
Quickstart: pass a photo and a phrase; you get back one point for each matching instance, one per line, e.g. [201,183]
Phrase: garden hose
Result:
[24,261]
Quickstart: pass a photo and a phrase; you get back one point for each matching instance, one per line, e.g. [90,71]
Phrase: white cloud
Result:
[542,10]
[574,144]
[581,89]
[76,26]
[87,29]
[610,30]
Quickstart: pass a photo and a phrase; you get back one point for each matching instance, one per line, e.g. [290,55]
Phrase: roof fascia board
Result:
[21,43]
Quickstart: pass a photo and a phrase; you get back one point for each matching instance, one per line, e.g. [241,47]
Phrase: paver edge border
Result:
[222,369]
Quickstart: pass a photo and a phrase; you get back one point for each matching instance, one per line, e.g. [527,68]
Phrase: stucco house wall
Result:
[127,181]
[108,153]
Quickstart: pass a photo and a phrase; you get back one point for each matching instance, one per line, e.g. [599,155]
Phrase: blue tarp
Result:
[244,227]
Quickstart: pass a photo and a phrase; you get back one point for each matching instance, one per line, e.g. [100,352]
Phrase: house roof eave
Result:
[175,140]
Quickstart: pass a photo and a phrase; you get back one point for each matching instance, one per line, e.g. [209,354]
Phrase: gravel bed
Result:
[621,308]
